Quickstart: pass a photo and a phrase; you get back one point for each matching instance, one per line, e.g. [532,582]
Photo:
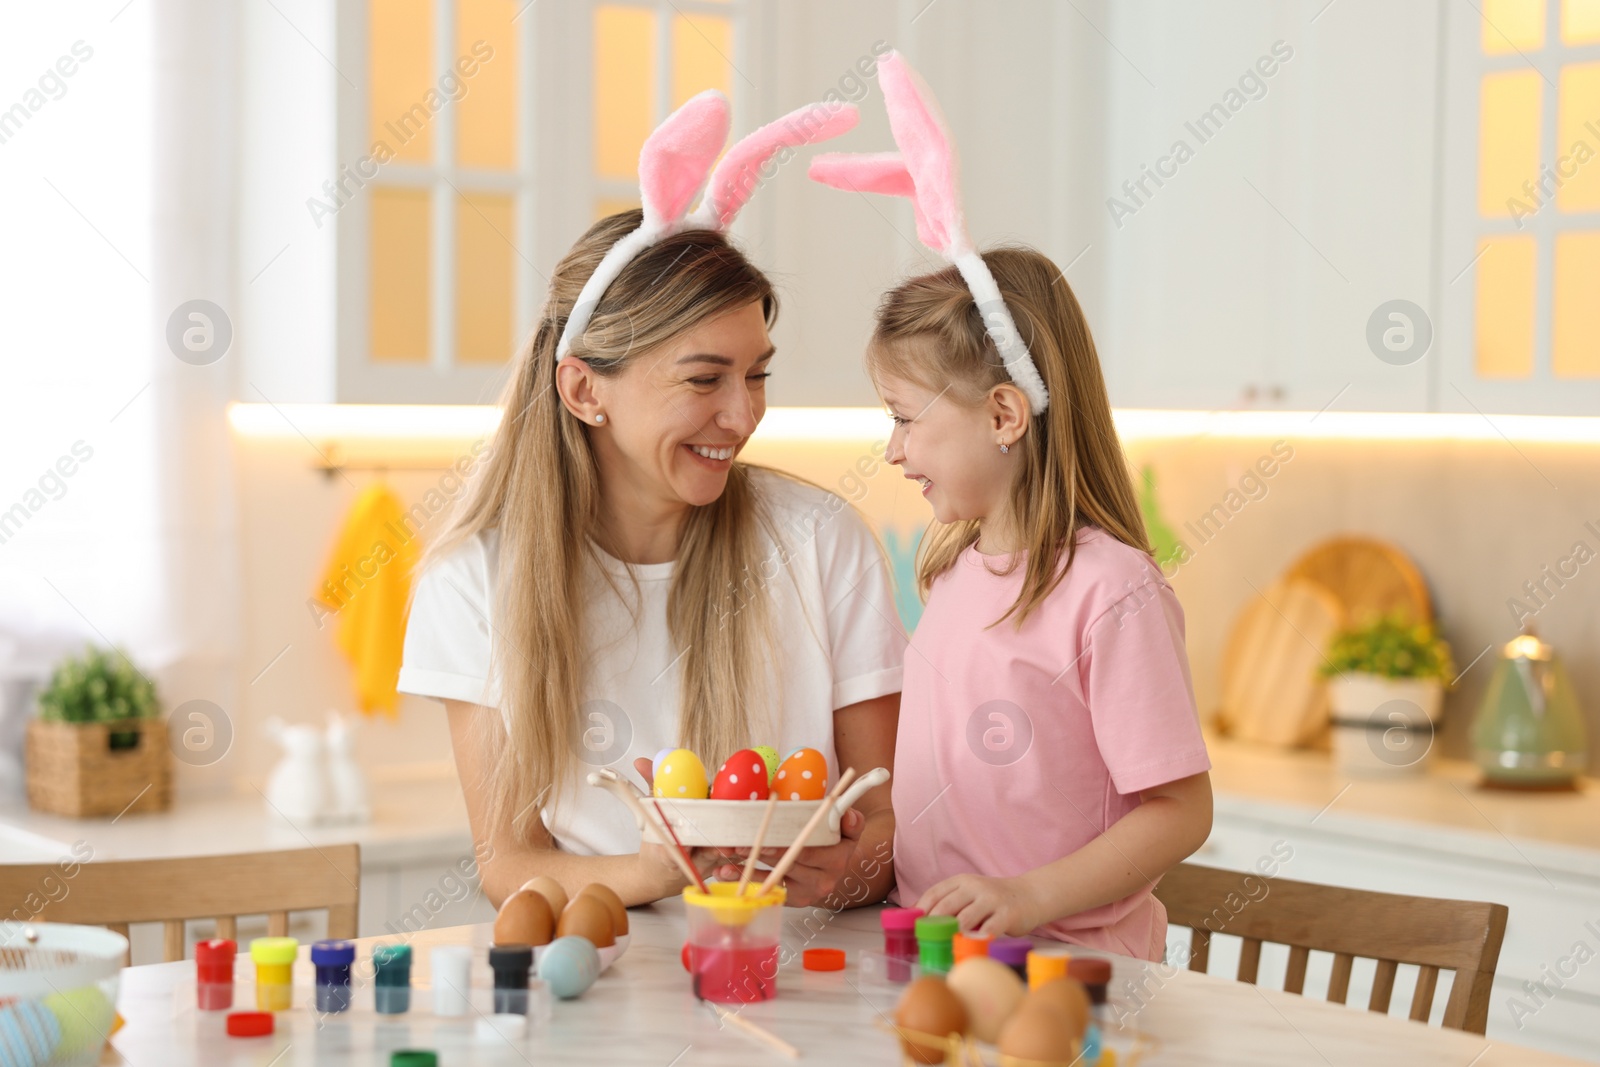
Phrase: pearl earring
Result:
[1004,448]
[599,420]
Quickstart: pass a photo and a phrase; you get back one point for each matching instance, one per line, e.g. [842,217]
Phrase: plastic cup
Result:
[734,941]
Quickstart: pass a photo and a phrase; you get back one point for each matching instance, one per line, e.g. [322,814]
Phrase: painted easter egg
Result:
[771,757]
[680,776]
[570,965]
[742,777]
[29,1033]
[803,776]
[82,1015]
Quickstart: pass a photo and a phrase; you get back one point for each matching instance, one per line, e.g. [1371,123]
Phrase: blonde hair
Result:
[540,487]
[1070,470]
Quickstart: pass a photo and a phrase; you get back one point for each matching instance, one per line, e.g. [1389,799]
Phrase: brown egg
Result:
[1067,999]
[590,919]
[551,890]
[1038,1034]
[608,896]
[989,990]
[525,919]
[929,1010]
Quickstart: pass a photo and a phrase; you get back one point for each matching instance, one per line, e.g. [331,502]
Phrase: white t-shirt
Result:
[837,641]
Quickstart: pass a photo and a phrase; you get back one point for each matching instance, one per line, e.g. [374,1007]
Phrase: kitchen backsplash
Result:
[1497,529]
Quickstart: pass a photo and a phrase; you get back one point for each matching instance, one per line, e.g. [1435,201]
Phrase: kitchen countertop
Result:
[1443,809]
[420,814]
[414,819]
[642,1011]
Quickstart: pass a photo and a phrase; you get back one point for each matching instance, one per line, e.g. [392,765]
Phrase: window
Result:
[439,152]
[648,59]
[1535,310]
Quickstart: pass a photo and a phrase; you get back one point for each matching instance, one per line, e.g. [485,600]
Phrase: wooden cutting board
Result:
[1271,693]
[1368,577]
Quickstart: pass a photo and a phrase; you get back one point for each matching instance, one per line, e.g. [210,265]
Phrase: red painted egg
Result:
[742,777]
[803,776]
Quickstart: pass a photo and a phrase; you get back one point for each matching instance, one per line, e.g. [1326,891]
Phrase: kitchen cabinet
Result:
[1299,160]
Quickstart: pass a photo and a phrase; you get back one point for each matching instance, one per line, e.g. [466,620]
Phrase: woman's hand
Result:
[814,879]
[993,907]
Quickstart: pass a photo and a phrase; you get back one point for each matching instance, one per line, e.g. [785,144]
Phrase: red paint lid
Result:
[901,919]
[823,959]
[249,1023]
[217,952]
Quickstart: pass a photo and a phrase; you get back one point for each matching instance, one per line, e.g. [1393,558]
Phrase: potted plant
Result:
[1386,683]
[98,745]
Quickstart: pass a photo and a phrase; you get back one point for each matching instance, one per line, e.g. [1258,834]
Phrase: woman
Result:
[615,567]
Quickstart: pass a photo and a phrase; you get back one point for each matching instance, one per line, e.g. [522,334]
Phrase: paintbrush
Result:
[793,854]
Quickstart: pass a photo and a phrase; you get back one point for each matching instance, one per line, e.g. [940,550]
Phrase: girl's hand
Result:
[993,907]
[814,879]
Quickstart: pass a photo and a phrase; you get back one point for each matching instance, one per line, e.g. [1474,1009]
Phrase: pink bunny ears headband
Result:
[924,170]
[676,162]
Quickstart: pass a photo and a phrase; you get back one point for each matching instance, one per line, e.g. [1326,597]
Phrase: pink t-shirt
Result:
[1018,747]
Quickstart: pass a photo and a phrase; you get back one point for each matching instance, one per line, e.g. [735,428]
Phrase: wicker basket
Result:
[99,768]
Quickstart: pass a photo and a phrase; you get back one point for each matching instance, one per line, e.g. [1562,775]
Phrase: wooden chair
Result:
[1432,934]
[117,893]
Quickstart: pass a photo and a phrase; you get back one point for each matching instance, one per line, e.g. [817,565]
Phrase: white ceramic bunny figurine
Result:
[297,788]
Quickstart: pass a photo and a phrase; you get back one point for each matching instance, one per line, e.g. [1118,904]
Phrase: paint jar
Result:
[452,970]
[391,979]
[733,941]
[213,974]
[900,940]
[332,959]
[967,946]
[1046,965]
[1095,974]
[511,964]
[1013,952]
[934,936]
[274,959]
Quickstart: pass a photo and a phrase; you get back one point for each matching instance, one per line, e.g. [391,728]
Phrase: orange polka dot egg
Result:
[802,776]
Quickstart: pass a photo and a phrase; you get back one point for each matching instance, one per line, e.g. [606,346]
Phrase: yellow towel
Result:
[367,585]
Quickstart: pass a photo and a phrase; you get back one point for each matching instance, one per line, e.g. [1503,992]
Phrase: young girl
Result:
[1049,762]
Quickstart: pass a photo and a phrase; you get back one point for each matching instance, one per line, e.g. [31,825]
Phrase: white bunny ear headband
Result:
[676,162]
[924,170]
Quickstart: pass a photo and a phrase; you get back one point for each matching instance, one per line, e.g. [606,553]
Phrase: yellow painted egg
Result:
[803,776]
[681,776]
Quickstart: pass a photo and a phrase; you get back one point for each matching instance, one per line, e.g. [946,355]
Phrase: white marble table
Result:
[642,1012]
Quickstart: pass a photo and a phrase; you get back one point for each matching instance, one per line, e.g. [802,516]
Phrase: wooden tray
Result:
[1271,692]
[1367,577]
[733,823]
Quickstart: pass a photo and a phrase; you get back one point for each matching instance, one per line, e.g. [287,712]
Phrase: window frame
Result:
[1464,67]
[554,190]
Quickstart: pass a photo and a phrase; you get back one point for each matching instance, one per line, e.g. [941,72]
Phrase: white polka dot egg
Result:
[742,777]
[679,775]
[802,776]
